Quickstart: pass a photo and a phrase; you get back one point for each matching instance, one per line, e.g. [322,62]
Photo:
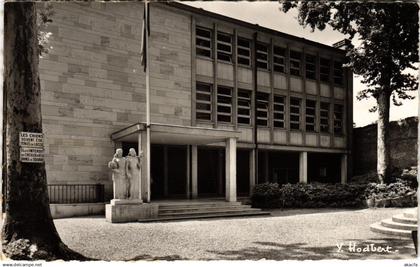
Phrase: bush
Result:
[398,194]
[315,195]
[319,195]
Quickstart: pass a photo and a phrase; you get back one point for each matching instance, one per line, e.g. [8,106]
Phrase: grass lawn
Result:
[286,235]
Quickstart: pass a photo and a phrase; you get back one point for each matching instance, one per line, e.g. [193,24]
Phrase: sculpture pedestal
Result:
[127,210]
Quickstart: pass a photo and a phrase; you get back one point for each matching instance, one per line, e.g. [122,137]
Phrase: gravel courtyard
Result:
[286,235]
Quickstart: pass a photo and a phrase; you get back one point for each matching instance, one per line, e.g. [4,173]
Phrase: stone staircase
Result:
[188,210]
[399,225]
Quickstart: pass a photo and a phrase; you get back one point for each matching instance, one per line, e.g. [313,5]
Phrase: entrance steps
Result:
[189,210]
[399,225]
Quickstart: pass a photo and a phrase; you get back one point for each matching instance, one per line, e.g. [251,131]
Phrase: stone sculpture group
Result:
[126,174]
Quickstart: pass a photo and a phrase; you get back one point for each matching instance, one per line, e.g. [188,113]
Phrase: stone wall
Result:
[93,84]
[402,141]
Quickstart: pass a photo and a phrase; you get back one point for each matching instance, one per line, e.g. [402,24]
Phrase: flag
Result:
[145,35]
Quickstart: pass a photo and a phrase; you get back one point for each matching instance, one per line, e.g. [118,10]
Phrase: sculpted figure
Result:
[119,177]
[133,173]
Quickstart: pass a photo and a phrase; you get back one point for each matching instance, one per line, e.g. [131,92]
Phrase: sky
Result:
[268,14]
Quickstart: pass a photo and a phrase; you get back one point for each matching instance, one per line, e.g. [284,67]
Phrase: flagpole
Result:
[147,102]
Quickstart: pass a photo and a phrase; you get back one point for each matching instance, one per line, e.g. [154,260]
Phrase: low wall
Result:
[402,141]
[74,210]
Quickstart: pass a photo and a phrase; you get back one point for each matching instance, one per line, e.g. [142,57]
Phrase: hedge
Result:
[319,195]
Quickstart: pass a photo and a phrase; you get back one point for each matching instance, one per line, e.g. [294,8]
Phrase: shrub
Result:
[319,195]
[315,195]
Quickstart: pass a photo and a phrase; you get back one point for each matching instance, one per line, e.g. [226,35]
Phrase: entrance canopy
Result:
[175,134]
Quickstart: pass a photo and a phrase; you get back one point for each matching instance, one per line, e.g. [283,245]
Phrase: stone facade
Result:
[402,141]
[93,83]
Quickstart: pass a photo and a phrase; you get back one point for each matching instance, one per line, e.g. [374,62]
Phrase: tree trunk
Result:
[383,132]
[28,231]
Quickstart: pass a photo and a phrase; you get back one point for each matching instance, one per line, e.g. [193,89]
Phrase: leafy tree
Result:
[388,36]
[28,231]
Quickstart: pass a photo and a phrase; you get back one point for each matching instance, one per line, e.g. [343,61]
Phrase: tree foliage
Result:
[388,36]
[45,12]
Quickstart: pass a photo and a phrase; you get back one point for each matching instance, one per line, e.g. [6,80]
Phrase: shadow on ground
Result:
[145,257]
[401,249]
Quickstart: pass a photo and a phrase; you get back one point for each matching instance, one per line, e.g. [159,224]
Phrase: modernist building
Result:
[232,103]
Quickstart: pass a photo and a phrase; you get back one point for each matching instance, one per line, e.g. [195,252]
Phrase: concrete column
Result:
[145,172]
[194,171]
[139,148]
[188,182]
[251,170]
[231,169]
[165,171]
[303,167]
[344,168]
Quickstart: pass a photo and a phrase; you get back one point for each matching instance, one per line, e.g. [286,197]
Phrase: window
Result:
[203,101]
[244,51]
[310,115]
[244,106]
[324,69]
[262,56]
[295,59]
[203,42]
[279,57]
[338,119]
[325,117]
[295,113]
[262,109]
[224,47]
[338,72]
[310,67]
[224,104]
[278,118]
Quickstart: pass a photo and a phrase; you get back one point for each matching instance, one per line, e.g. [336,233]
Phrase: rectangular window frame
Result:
[310,126]
[324,69]
[338,73]
[292,113]
[310,67]
[279,59]
[295,70]
[338,119]
[221,115]
[279,111]
[261,62]
[244,96]
[259,102]
[206,39]
[223,54]
[241,57]
[324,117]
[209,93]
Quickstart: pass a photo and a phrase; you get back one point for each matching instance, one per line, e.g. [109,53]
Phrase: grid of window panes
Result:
[310,66]
[262,101]
[324,117]
[278,113]
[324,69]
[279,59]
[310,115]
[224,104]
[338,72]
[295,105]
[244,106]
[203,103]
[203,42]
[295,62]
[244,51]
[338,119]
[224,47]
[262,56]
